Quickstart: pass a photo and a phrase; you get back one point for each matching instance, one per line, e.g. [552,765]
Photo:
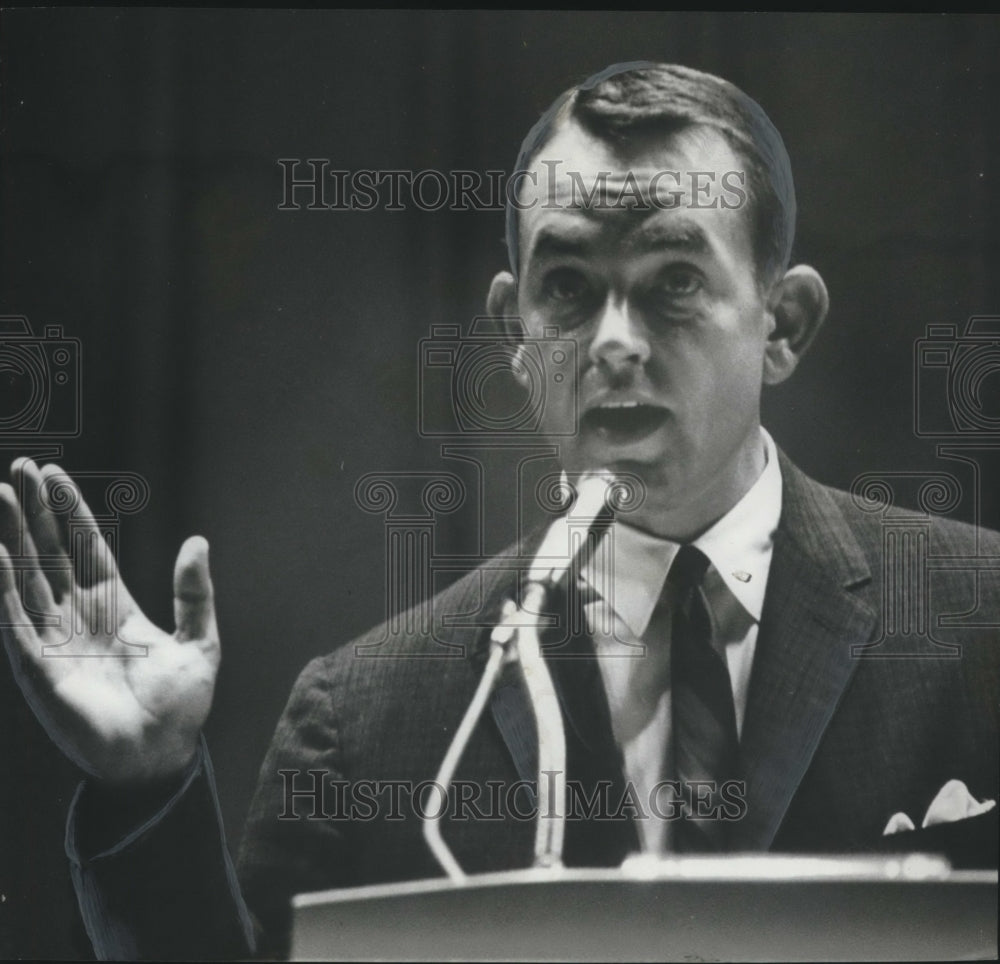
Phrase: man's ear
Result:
[799,302]
[501,302]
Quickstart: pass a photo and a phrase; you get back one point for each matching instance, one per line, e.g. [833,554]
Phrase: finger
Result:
[23,645]
[43,527]
[37,599]
[194,598]
[18,633]
[79,532]
[35,675]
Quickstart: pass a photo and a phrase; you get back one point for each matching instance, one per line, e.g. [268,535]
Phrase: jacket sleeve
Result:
[295,840]
[155,880]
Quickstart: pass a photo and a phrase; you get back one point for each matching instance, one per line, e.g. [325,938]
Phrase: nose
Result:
[620,340]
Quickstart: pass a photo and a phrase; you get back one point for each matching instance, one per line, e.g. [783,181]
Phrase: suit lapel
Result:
[815,609]
[592,756]
[575,675]
[817,606]
[580,690]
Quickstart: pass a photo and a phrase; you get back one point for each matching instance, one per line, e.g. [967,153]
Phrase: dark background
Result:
[252,364]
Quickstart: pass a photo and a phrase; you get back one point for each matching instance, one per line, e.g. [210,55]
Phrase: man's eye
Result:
[565,285]
[679,282]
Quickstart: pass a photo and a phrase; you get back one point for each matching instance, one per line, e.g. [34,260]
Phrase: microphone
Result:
[516,639]
[559,549]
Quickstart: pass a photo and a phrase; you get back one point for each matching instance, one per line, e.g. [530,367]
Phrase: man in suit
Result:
[739,645]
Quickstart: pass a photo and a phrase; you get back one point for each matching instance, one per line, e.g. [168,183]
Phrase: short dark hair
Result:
[641,97]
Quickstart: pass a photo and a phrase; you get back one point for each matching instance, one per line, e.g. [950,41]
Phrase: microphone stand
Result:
[515,639]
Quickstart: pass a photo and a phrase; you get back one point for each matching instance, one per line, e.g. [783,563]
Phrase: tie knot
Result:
[688,568]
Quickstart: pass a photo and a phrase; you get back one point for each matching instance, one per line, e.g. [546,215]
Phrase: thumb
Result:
[194,600]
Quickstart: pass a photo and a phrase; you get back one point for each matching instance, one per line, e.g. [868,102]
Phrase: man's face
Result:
[666,312]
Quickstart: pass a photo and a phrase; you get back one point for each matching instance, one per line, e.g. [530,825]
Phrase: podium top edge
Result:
[723,869]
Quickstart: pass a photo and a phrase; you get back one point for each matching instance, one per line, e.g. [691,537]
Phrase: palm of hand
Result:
[121,697]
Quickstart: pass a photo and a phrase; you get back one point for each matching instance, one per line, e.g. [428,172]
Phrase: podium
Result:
[735,907]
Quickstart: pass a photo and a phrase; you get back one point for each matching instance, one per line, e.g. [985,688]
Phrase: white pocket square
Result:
[953,802]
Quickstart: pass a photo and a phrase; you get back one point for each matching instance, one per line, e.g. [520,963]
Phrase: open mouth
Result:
[624,421]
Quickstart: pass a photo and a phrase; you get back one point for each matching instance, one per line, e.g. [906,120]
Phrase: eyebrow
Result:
[552,242]
[677,234]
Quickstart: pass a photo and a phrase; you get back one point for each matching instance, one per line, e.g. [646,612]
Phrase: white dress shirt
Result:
[628,572]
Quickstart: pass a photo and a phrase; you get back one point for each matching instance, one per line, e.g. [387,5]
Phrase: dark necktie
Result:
[704,719]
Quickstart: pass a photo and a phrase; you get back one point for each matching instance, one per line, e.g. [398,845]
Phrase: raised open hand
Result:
[122,698]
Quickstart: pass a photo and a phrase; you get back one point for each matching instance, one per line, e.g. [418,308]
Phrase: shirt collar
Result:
[739,546]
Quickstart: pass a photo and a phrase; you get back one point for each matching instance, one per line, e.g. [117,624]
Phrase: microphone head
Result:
[559,547]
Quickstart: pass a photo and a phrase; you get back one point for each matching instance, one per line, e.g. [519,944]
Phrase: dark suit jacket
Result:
[848,721]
